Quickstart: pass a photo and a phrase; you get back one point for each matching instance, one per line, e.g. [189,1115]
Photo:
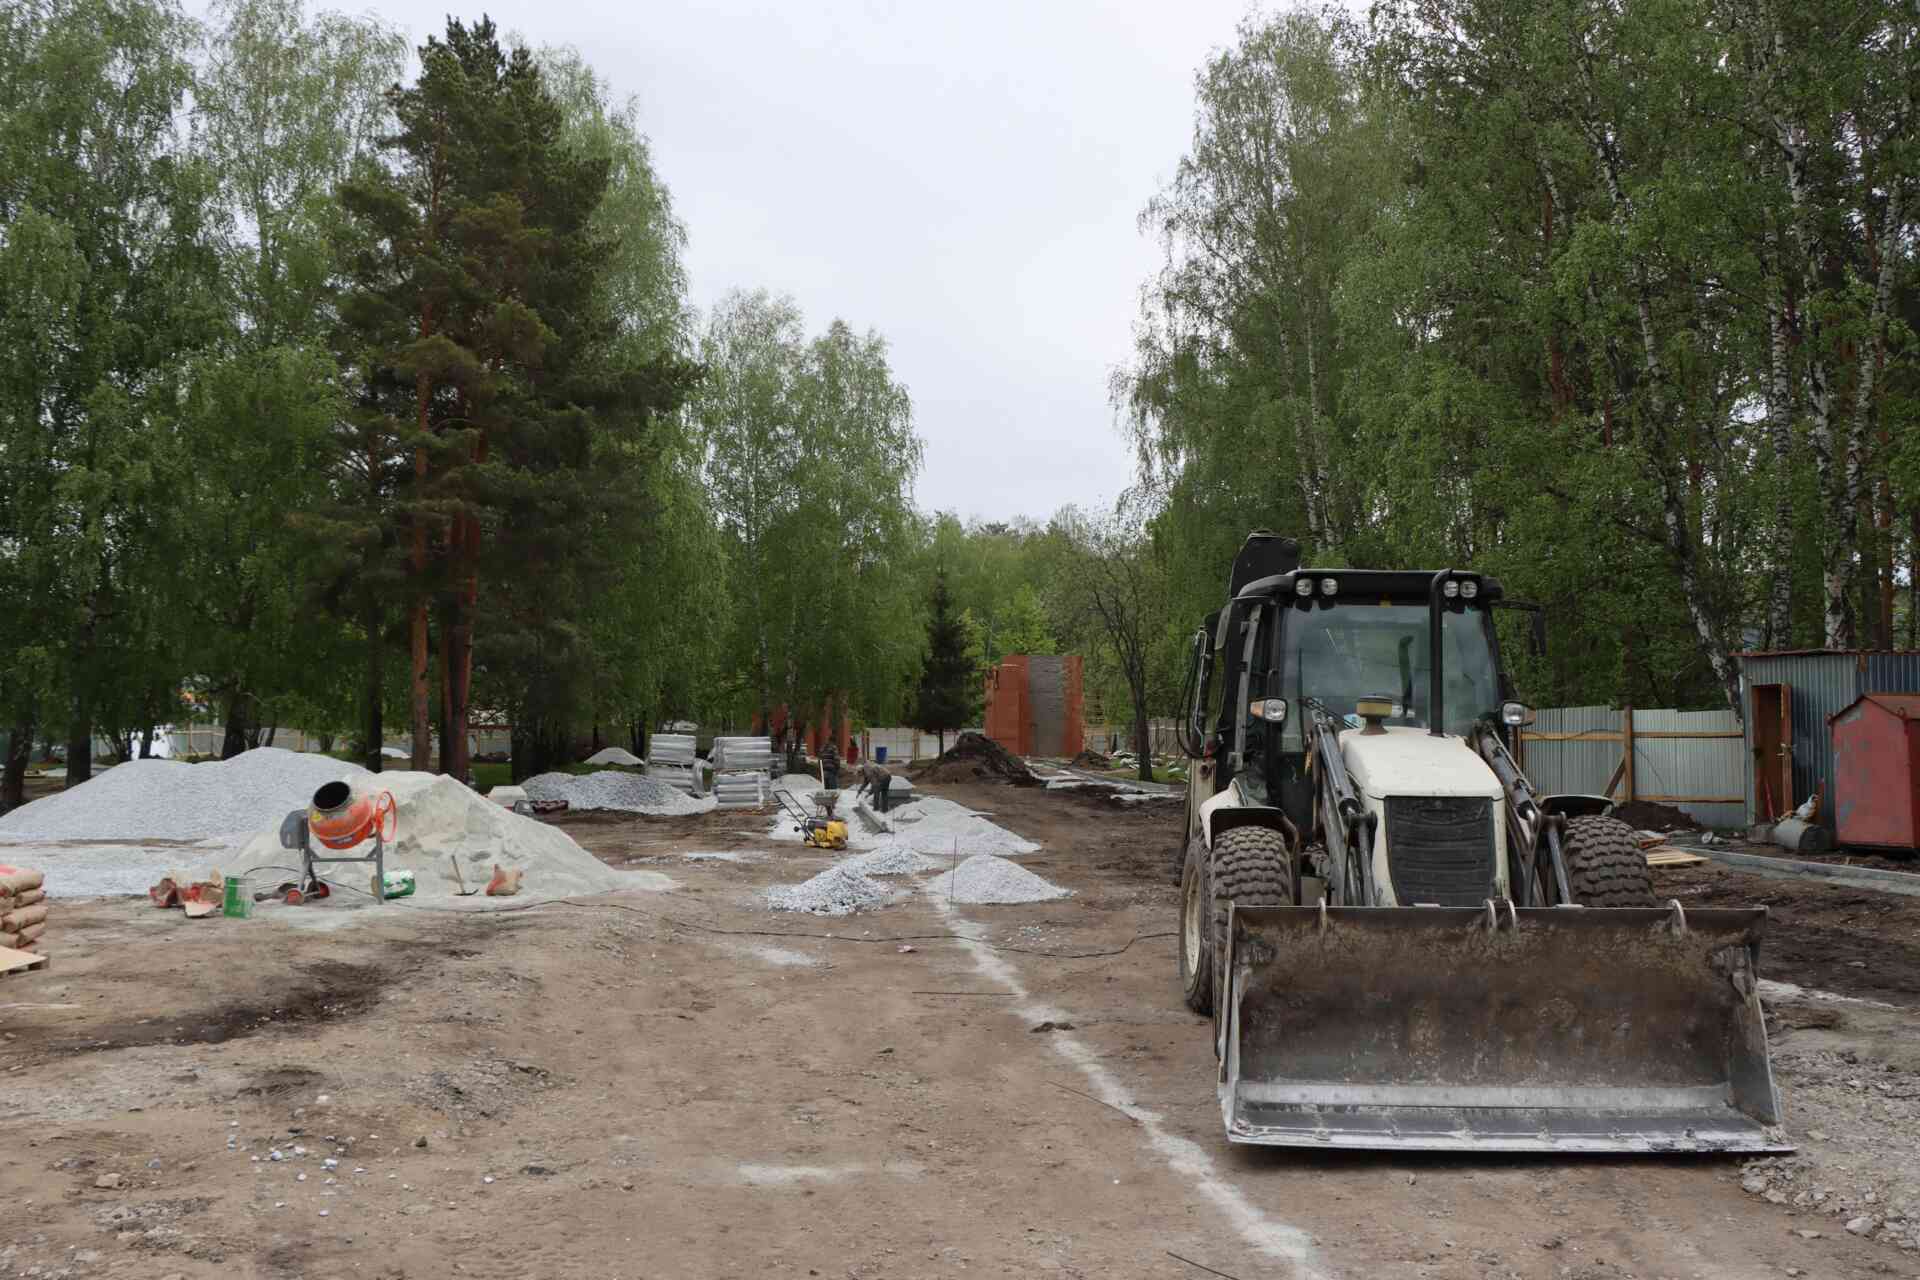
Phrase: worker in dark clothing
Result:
[878,780]
[830,764]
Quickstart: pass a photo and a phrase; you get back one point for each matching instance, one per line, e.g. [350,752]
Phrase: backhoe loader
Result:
[1402,943]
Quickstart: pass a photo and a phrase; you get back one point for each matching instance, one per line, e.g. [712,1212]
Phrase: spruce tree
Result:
[947,676]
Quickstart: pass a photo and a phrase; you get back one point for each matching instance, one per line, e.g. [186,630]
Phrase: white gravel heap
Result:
[611,789]
[837,891]
[940,828]
[984,878]
[614,755]
[173,800]
[438,820]
[890,860]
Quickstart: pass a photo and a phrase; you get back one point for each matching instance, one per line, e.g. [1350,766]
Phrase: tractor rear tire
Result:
[1196,930]
[1605,867]
[1251,866]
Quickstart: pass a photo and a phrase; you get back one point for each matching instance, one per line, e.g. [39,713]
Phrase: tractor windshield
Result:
[1352,651]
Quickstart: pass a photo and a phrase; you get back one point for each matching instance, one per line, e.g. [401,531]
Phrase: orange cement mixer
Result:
[340,817]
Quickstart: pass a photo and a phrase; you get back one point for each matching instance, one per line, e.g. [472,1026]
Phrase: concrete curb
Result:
[1902,882]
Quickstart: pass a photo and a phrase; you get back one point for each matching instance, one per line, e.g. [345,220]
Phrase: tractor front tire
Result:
[1605,867]
[1251,866]
[1196,931]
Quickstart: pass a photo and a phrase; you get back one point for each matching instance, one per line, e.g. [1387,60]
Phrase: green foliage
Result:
[1583,296]
[947,697]
[810,459]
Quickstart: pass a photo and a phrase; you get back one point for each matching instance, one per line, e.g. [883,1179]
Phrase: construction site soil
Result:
[975,757]
[685,1084]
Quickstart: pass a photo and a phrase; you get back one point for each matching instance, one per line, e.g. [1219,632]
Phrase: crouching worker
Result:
[877,780]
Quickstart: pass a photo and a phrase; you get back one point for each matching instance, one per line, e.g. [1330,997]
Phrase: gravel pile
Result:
[173,800]
[891,860]
[984,879]
[614,755]
[837,891]
[940,828]
[611,789]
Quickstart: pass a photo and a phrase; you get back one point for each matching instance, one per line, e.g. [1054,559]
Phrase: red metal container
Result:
[1876,771]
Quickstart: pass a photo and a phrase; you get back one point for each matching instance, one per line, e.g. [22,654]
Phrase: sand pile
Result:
[614,755]
[974,757]
[612,789]
[439,819]
[984,878]
[173,800]
[837,891]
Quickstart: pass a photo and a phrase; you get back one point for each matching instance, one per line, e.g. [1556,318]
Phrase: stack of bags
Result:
[23,909]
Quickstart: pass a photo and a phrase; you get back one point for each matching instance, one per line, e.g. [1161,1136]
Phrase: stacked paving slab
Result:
[741,770]
[671,758]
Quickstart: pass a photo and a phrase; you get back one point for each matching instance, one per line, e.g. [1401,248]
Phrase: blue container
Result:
[879,755]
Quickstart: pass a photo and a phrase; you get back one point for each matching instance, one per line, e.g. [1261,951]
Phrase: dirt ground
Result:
[684,1084]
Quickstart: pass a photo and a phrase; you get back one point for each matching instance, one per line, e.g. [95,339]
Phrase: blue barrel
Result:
[879,755]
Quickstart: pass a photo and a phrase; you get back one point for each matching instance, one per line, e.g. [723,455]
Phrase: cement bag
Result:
[18,879]
[18,900]
[18,941]
[15,921]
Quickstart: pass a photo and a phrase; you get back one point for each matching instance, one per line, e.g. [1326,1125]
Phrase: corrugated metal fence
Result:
[1691,760]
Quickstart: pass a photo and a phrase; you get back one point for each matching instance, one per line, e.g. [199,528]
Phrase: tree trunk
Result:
[375,730]
[13,777]
[146,743]
[1779,627]
[1142,731]
[238,729]
[79,743]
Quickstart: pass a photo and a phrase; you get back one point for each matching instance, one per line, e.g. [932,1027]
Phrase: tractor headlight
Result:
[1328,586]
[1303,587]
[1469,588]
[1271,710]
[1450,588]
[1516,714]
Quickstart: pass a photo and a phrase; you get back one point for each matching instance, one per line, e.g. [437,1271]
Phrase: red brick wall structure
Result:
[1035,705]
[1006,715]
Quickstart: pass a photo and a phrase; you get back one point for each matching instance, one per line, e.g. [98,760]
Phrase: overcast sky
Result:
[962,177]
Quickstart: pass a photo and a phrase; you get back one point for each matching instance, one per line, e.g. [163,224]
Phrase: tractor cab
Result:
[1419,646]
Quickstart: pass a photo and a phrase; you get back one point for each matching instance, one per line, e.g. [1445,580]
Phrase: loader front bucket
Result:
[1561,1029]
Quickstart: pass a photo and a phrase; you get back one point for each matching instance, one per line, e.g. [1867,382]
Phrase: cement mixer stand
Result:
[294,835]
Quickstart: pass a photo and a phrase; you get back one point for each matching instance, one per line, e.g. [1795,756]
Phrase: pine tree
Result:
[946,678]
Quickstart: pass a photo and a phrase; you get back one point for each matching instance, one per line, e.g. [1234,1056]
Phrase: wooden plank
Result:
[1626,756]
[12,961]
[1688,733]
[1582,735]
[1667,856]
[1619,770]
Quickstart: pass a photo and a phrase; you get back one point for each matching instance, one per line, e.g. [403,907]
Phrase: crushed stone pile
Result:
[974,757]
[1091,759]
[837,891]
[942,828]
[438,820]
[985,879]
[612,789]
[173,800]
[891,860]
[614,755]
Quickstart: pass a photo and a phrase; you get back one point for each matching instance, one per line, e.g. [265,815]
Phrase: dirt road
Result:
[684,1084]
